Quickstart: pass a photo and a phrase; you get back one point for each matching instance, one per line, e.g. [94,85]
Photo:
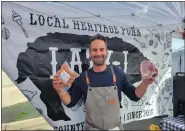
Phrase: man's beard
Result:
[99,62]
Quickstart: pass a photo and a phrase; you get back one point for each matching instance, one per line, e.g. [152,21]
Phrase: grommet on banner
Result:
[98,16]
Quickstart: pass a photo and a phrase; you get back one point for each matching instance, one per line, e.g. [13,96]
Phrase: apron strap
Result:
[87,79]
[114,76]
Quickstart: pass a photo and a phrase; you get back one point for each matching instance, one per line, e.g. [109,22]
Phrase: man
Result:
[101,88]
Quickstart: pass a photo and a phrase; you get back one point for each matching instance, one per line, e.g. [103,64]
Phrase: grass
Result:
[21,115]
[18,112]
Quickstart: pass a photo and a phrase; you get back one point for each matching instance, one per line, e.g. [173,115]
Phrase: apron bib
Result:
[102,107]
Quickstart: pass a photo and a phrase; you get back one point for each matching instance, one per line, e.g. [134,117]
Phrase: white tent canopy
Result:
[166,15]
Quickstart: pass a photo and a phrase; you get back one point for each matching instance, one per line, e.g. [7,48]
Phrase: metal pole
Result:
[184,36]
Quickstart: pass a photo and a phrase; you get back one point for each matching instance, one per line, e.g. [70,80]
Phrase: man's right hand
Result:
[58,84]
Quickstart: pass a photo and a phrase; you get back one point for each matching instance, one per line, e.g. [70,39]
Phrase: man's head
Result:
[98,49]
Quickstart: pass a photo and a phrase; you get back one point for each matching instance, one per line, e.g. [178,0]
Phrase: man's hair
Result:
[98,37]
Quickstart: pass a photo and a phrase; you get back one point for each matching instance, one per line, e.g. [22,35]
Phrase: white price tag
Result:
[64,76]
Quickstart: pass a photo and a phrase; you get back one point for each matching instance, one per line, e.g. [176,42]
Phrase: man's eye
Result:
[101,49]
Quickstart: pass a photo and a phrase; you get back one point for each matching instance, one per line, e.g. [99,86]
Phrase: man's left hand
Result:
[148,81]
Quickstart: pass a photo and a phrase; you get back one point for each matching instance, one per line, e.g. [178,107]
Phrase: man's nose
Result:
[98,52]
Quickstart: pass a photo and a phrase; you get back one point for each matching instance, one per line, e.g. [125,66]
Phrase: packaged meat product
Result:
[67,75]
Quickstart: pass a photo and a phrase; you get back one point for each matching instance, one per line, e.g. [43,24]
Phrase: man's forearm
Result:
[65,97]
[141,89]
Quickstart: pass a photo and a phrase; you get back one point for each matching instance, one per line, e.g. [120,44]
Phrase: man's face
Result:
[98,52]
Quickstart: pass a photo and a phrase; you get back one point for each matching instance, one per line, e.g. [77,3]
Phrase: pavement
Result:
[29,124]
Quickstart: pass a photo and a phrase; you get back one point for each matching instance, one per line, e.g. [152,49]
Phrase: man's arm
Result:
[132,92]
[126,86]
[135,93]
[64,97]
[142,88]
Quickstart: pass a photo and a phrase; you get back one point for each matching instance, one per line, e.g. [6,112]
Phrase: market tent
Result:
[167,16]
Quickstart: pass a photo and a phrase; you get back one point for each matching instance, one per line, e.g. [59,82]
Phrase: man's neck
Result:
[99,68]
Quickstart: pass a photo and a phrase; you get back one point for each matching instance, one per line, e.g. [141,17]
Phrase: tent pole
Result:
[184,32]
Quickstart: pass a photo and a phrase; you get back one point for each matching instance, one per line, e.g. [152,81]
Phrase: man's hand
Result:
[148,81]
[141,89]
[58,84]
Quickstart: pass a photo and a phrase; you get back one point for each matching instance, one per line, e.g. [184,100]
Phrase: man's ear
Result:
[89,52]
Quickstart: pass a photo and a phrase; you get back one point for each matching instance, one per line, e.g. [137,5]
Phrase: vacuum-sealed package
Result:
[67,75]
[148,69]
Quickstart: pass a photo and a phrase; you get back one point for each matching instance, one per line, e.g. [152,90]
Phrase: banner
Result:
[35,45]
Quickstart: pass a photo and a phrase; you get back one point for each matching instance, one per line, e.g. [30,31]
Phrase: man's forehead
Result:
[98,44]
[98,41]
[98,47]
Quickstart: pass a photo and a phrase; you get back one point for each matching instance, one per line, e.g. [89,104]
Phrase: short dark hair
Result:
[98,37]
